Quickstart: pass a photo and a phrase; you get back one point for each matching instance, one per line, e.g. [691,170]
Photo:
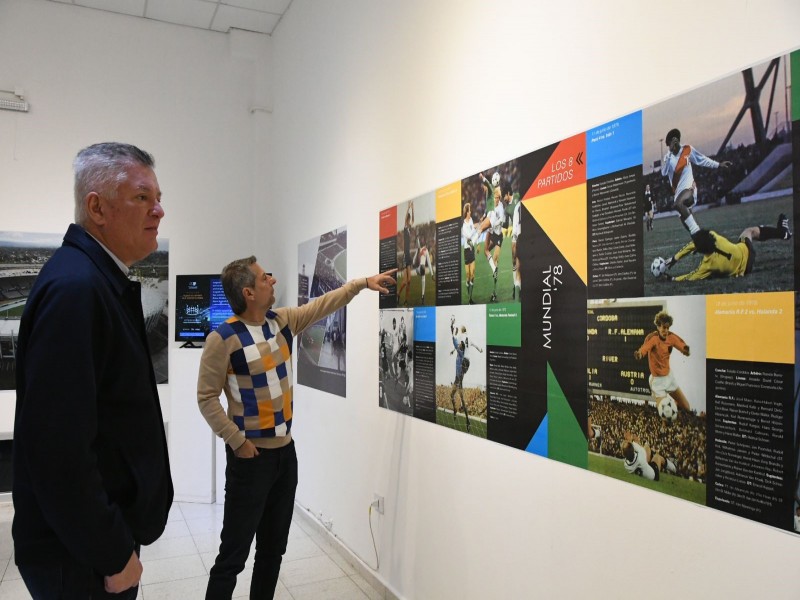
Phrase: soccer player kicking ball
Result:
[677,167]
[494,222]
[467,231]
[657,347]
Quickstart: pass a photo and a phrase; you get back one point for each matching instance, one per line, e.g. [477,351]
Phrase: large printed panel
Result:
[750,374]
[624,300]
[322,347]
[448,263]
[509,403]
[553,321]
[423,392]
[615,238]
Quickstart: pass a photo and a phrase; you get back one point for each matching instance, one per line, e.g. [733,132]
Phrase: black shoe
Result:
[471,301]
[513,292]
[783,225]
[494,298]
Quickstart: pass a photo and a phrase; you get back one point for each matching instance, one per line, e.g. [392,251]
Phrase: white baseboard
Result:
[322,534]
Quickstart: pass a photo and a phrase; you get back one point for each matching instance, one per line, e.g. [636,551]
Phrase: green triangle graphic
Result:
[567,438]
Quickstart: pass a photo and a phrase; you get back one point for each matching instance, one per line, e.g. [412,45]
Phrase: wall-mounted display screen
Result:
[200,306]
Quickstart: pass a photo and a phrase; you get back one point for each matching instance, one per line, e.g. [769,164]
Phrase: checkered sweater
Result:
[252,364]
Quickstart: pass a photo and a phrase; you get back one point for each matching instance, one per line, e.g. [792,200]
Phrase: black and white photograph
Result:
[322,348]
[22,256]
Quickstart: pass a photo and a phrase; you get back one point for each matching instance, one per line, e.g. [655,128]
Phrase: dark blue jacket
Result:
[91,470]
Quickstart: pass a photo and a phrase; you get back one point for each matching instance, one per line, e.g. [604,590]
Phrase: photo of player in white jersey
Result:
[639,459]
[676,166]
[416,252]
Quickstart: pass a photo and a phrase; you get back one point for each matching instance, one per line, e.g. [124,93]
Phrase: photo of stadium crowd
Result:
[683,443]
[22,256]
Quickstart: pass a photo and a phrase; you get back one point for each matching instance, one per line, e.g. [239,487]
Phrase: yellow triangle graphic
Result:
[562,216]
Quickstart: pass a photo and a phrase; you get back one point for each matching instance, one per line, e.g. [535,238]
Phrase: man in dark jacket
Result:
[91,472]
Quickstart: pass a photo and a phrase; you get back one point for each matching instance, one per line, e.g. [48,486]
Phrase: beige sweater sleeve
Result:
[300,318]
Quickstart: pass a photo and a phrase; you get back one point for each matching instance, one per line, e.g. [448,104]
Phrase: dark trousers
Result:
[259,500]
[68,580]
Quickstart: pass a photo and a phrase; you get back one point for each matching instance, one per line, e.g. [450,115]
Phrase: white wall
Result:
[377,102]
[183,94]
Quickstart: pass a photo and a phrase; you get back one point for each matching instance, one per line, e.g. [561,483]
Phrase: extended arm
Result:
[301,317]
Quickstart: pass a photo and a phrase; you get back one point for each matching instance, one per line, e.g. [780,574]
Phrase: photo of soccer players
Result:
[461,401]
[489,273]
[651,433]
[396,356]
[416,252]
[716,159]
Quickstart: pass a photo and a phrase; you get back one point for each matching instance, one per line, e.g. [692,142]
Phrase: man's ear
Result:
[95,208]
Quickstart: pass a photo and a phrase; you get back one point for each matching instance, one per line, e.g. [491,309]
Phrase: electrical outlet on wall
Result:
[377,502]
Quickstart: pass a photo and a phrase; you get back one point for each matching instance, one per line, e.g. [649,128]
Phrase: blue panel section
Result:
[239,362]
[539,441]
[225,330]
[287,335]
[281,371]
[248,397]
[260,433]
[614,146]
[425,324]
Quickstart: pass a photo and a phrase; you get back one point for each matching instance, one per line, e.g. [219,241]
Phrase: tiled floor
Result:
[176,566]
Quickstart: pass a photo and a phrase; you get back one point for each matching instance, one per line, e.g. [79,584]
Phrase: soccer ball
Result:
[658,267]
[667,409]
[496,179]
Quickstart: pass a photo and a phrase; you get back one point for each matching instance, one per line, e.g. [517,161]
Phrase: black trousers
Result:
[68,580]
[259,501]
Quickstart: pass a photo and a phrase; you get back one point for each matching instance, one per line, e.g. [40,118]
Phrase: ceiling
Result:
[261,16]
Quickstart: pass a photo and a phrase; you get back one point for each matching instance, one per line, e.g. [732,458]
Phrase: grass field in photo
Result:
[484,283]
[694,491]
[475,401]
[312,341]
[415,293]
[772,270]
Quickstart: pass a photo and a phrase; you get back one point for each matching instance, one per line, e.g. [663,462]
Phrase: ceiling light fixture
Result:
[18,104]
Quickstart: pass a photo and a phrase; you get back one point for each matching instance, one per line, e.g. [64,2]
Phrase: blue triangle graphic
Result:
[538,443]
